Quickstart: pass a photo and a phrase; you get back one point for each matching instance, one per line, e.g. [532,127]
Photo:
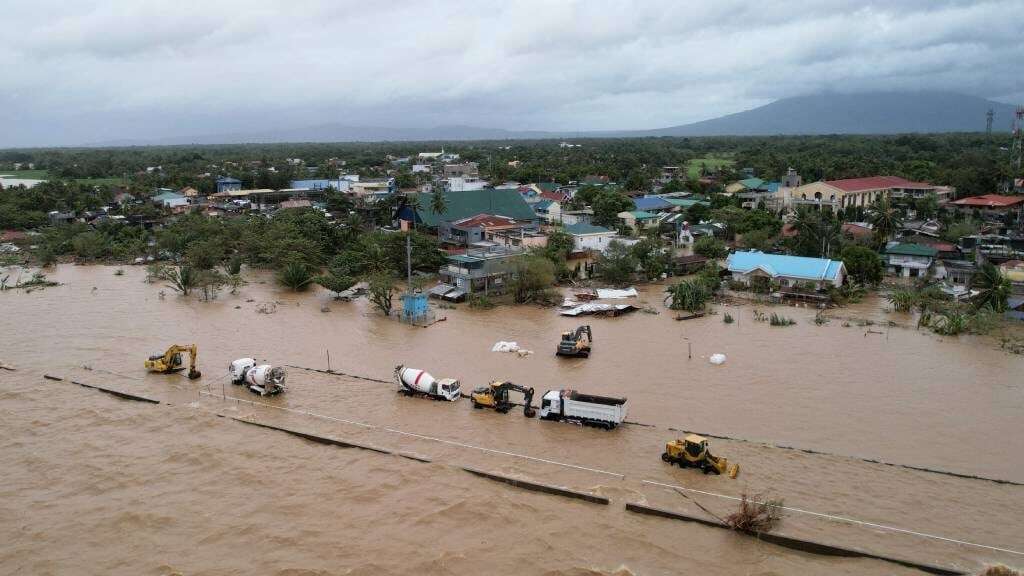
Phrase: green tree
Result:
[336,282]
[438,203]
[182,279]
[607,204]
[690,295]
[296,275]
[532,279]
[382,291]
[885,218]
[862,264]
[710,247]
[993,288]
[617,264]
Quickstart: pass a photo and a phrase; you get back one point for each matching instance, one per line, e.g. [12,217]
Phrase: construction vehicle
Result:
[693,452]
[587,409]
[262,379]
[416,382]
[171,361]
[576,343]
[495,395]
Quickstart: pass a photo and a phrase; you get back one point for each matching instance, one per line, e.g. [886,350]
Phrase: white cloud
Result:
[153,68]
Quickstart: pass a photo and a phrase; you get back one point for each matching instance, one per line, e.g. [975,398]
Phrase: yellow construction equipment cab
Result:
[171,361]
[495,395]
[575,343]
[693,452]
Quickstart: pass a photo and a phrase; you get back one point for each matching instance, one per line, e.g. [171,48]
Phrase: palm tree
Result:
[413,202]
[438,203]
[993,288]
[885,219]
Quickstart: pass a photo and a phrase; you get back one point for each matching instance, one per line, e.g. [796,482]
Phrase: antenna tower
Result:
[988,121]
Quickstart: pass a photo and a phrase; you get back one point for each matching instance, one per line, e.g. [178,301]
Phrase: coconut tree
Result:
[993,288]
[885,219]
[438,203]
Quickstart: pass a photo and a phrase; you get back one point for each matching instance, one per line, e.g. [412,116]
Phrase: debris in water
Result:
[325,308]
[502,346]
[717,359]
[756,514]
[267,308]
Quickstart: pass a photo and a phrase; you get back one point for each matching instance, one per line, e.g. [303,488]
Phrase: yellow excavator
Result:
[576,343]
[171,361]
[495,395]
[693,452]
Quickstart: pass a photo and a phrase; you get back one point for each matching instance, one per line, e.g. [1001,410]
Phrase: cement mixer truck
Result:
[416,382]
[262,379]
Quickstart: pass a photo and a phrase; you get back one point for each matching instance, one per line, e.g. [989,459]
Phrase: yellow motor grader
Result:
[693,452]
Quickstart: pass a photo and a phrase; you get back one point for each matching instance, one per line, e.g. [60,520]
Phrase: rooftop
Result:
[484,221]
[875,183]
[651,203]
[912,250]
[788,266]
[580,229]
[990,201]
[504,201]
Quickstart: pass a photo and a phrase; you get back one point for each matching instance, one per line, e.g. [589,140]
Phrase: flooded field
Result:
[94,483]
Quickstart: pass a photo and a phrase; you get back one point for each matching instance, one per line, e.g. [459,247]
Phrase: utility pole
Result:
[408,262]
[988,121]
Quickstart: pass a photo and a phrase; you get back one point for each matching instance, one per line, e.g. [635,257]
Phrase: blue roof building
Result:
[652,203]
[788,271]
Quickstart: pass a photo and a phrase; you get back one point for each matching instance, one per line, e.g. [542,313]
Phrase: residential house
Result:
[227,184]
[168,198]
[788,271]
[458,205]
[653,204]
[486,267]
[993,205]
[909,260]
[57,217]
[376,187]
[295,203]
[956,275]
[477,228]
[638,220]
[683,265]
[839,194]
[588,243]
[670,173]
[858,231]
[466,169]
[463,183]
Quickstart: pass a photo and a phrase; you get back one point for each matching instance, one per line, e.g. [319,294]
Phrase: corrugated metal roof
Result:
[579,229]
[782,265]
[502,201]
[912,250]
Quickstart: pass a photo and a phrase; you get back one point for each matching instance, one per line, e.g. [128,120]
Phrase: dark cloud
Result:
[95,71]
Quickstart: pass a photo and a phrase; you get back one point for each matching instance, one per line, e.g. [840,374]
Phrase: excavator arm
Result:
[169,362]
[527,393]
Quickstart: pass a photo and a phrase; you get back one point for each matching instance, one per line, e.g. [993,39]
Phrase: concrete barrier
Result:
[537,487]
[808,546]
[332,441]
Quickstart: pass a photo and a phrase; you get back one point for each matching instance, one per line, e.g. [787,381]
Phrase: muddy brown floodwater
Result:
[93,484]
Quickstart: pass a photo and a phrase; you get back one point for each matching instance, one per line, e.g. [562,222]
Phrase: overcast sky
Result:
[85,71]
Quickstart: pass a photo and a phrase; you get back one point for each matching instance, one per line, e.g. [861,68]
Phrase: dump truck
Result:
[587,409]
[576,343]
[416,382]
[262,379]
[693,451]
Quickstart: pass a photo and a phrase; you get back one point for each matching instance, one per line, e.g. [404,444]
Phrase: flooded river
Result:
[96,484]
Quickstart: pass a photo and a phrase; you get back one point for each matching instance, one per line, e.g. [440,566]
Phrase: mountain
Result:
[866,113]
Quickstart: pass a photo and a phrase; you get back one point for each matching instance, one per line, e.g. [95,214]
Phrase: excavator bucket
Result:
[734,471]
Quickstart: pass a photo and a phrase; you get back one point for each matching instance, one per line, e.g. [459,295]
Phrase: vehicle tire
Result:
[665,457]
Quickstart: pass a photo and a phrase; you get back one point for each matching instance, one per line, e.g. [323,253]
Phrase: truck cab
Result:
[449,389]
[551,404]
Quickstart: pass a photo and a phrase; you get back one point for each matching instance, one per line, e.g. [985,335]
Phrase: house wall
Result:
[598,241]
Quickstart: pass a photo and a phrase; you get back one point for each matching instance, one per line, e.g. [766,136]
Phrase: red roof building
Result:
[991,202]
